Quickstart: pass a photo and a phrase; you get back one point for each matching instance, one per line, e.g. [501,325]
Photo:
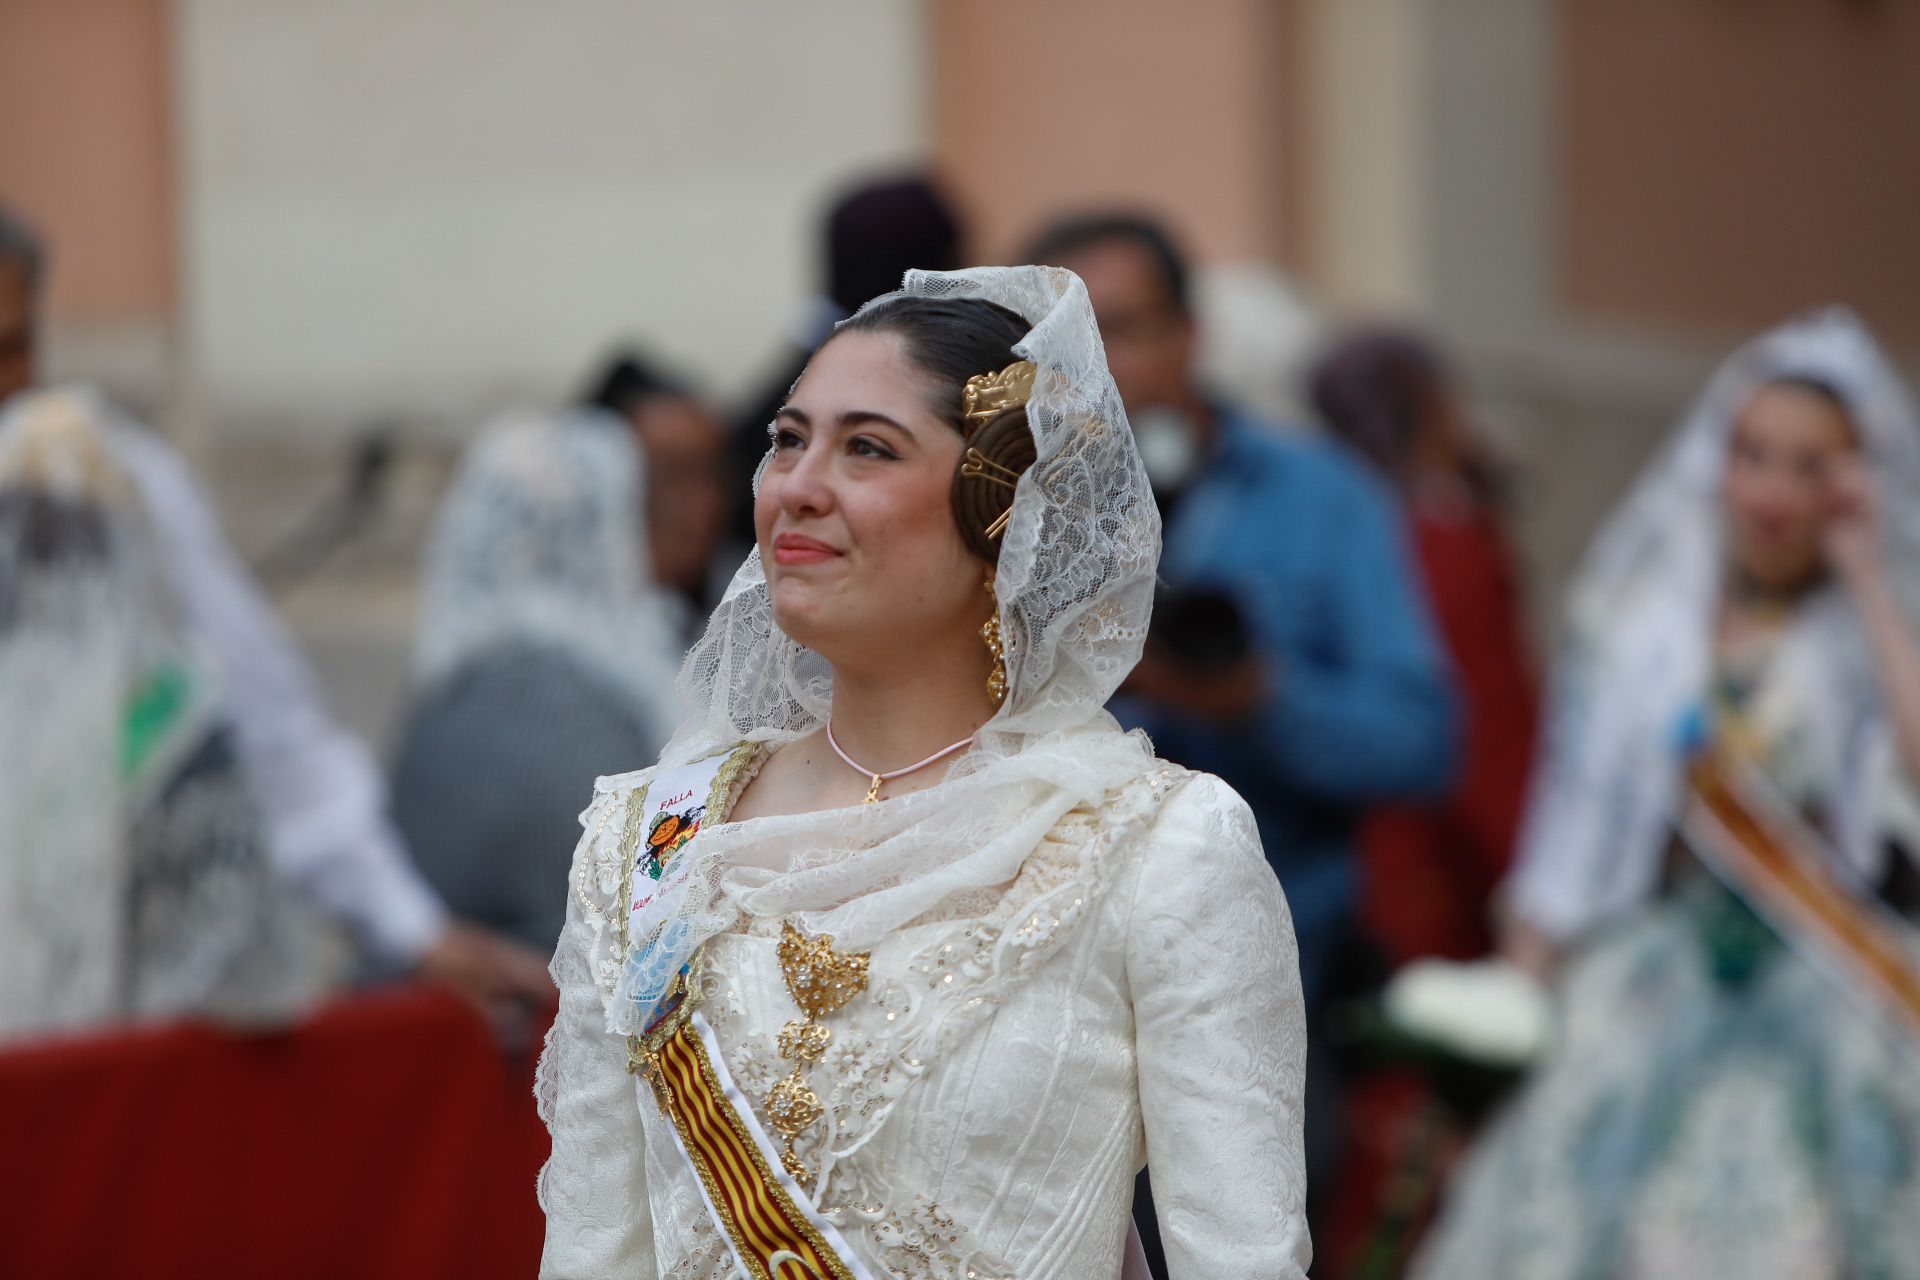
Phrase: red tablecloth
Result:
[387,1136]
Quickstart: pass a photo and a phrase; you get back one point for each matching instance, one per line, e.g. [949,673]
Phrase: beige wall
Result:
[428,210]
[1364,182]
[1721,165]
[85,150]
[1183,110]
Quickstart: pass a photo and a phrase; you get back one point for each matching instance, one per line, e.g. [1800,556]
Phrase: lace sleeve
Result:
[1221,1040]
[598,1224]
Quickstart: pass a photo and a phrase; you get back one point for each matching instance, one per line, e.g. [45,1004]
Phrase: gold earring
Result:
[990,634]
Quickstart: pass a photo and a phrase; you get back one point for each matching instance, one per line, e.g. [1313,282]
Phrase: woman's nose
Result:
[806,487]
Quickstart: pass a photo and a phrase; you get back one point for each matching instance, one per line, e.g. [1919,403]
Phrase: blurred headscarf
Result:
[133,871]
[542,541]
[546,658]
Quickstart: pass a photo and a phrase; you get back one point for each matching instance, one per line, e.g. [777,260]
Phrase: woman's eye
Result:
[785,438]
[867,447]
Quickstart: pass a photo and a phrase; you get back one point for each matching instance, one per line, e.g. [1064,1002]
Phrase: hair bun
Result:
[998,454]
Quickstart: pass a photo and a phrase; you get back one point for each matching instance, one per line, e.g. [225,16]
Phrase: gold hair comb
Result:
[988,395]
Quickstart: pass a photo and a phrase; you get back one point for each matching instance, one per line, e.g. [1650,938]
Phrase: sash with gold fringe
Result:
[1777,864]
[755,1193]
[761,1209]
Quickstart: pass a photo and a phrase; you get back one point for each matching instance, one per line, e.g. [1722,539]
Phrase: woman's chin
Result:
[805,615]
[1783,572]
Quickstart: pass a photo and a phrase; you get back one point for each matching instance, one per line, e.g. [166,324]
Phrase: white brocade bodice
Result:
[1133,995]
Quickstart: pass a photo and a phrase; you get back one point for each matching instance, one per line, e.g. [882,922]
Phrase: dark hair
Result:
[1818,387]
[951,340]
[1068,236]
[1828,392]
[19,244]
[1372,389]
[625,379]
[948,339]
[879,230]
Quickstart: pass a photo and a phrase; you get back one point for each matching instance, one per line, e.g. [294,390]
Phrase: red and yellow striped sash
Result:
[765,1216]
[1775,863]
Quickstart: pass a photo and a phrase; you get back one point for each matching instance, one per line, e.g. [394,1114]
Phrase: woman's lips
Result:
[794,548]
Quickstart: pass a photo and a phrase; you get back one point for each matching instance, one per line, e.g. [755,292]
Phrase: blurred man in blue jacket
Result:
[1291,652]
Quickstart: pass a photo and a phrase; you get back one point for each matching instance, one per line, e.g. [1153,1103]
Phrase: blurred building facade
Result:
[274,222]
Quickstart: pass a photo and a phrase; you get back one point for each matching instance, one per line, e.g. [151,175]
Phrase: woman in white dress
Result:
[546,657]
[1717,861]
[904,958]
[135,877]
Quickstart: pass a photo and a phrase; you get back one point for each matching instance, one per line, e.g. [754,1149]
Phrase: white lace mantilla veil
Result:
[133,870]
[542,538]
[1640,621]
[1075,583]
[67,646]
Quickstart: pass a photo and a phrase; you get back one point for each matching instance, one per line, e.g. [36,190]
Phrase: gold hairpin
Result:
[999,526]
[979,466]
[988,395]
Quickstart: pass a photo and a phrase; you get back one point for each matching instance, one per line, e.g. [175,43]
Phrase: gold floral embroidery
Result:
[821,981]
[629,859]
[732,779]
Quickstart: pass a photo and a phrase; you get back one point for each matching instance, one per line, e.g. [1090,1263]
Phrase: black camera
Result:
[1201,628]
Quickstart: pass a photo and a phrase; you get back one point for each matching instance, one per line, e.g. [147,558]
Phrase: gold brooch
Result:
[988,395]
[821,981]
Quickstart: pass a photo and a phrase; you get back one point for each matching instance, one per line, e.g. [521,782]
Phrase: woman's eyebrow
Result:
[851,418]
[865,417]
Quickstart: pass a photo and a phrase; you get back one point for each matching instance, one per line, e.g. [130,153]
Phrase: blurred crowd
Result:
[1339,634]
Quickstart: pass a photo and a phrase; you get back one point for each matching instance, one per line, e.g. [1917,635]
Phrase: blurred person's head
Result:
[22,266]
[683,445]
[1383,392]
[687,497]
[58,484]
[1785,441]
[878,231]
[69,512]
[1387,393]
[855,518]
[1138,282]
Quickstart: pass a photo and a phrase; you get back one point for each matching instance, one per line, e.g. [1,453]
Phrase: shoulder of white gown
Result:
[1172,791]
[619,784]
[1197,816]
